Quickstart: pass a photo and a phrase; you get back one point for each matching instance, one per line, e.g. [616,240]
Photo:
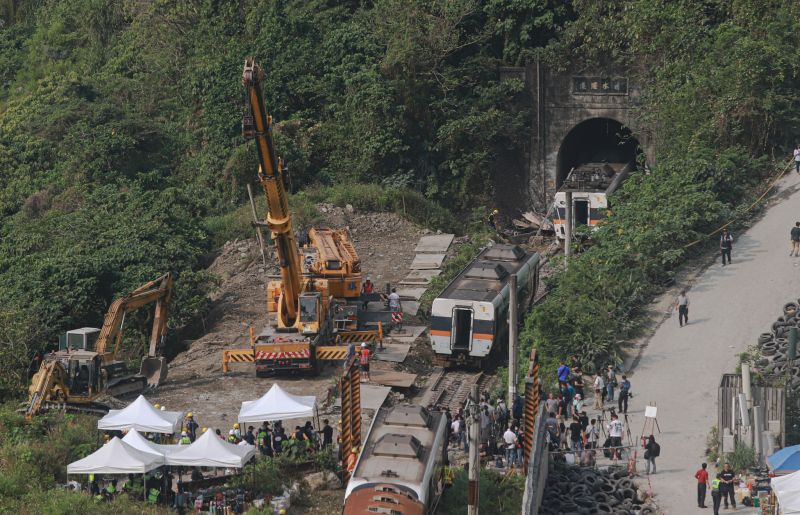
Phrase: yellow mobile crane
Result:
[85,367]
[303,301]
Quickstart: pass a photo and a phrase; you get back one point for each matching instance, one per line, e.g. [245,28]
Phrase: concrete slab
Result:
[408,332]
[434,243]
[391,378]
[410,307]
[419,277]
[411,293]
[394,352]
[372,396]
[427,261]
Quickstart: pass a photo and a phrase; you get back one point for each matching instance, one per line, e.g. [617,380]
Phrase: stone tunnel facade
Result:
[577,116]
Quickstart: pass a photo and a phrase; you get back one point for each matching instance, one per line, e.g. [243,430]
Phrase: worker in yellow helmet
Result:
[237,432]
[157,406]
[492,219]
[191,426]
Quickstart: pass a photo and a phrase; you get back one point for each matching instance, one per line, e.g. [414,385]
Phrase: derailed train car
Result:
[470,318]
[400,470]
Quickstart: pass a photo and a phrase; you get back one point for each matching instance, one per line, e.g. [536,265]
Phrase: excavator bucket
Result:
[154,368]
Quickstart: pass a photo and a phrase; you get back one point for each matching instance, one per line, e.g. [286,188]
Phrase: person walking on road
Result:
[795,236]
[725,245]
[715,495]
[651,451]
[599,390]
[624,393]
[727,477]
[797,158]
[611,383]
[702,481]
[683,309]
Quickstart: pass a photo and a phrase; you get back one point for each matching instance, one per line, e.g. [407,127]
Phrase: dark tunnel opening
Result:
[592,141]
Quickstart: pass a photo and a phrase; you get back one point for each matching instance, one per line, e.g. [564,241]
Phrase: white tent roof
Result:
[787,489]
[277,404]
[139,442]
[116,457]
[142,416]
[210,451]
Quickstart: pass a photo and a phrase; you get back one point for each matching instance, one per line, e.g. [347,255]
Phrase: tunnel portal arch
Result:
[596,139]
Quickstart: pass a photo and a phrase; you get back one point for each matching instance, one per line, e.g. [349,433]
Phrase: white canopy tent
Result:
[277,404]
[142,416]
[116,457]
[210,451]
[787,490]
[139,442]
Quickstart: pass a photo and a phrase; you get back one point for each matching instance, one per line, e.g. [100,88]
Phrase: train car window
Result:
[381,498]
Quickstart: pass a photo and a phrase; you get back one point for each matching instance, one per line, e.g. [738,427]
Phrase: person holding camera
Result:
[624,394]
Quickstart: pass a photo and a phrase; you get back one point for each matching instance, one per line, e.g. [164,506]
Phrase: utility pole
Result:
[474,453]
[567,228]
[512,339]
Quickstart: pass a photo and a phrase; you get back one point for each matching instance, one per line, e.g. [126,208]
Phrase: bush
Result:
[264,476]
[498,493]
[742,458]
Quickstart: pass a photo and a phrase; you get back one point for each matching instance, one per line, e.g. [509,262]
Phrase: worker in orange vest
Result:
[351,460]
[364,360]
[366,289]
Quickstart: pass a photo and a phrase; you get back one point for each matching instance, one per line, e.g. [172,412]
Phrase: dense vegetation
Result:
[720,84]
[120,152]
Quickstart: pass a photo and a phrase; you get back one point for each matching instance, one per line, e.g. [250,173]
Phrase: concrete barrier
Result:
[538,466]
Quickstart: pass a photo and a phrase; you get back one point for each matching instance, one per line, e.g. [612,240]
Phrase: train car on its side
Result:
[470,317]
[400,470]
[591,185]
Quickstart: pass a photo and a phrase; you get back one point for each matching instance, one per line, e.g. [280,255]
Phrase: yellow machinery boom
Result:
[272,176]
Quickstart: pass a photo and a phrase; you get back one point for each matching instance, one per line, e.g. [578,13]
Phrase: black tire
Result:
[765,337]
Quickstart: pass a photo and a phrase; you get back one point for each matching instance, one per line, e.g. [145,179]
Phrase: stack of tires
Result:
[585,491]
[774,346]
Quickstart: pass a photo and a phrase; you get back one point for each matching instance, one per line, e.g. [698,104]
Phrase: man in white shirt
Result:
[615,430]
[394,301]
[797,158]
[599,390]
[510,441]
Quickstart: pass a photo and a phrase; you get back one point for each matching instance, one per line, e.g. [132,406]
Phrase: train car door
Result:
[581,207]
[461,336]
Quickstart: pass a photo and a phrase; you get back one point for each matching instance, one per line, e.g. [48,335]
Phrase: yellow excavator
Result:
[85,368]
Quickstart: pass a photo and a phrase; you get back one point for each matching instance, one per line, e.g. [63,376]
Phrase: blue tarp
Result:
[785,461]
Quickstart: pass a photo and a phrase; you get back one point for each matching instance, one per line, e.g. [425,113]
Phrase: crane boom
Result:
[257,123]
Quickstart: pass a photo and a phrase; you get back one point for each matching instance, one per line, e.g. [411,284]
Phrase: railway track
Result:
[451,388]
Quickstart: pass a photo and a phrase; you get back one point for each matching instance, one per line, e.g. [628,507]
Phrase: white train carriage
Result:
[470,318]
[400,469]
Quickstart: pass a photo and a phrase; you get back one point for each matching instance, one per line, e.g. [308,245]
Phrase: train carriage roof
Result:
[484,278]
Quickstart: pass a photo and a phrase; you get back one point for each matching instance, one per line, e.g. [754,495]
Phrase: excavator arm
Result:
[272,175]
[159,291]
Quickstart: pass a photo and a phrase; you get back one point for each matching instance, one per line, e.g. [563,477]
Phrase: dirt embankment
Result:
[385,243]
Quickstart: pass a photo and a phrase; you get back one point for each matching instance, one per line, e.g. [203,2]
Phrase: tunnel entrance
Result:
[595,140]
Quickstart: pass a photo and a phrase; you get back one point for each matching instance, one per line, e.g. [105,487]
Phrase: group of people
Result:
[722,487]
[570,430]
[499,429]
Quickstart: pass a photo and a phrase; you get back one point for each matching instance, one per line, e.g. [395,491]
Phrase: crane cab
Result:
[310,309]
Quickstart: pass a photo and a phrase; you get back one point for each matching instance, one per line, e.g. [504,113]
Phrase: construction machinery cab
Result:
[310,310]
[84,338]
[84,371]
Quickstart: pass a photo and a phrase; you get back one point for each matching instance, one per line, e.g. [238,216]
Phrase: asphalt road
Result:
[680,369]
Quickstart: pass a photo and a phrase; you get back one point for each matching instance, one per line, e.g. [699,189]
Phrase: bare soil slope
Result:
[385,243]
